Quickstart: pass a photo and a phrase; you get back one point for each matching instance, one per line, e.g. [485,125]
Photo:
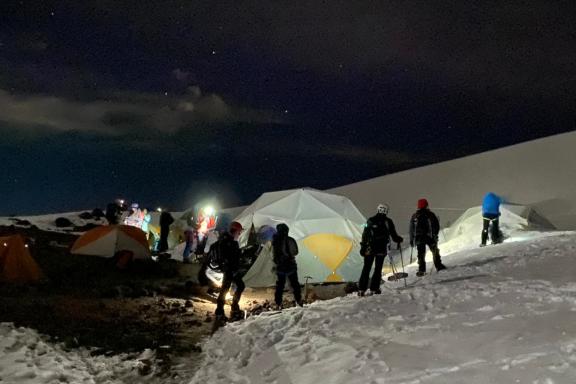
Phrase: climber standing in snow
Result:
[490,217]
[374,248]
[424,229]
[226,255]
[285,250]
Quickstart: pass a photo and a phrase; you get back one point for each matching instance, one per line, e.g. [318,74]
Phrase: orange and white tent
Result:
[16,263]
[107,240]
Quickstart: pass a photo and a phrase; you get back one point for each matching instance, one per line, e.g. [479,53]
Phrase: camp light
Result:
[209,211]
[5,244]
[159,209]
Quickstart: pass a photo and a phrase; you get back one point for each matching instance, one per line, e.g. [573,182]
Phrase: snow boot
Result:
[441,267]
[361,293]
[420,273]
[376,291]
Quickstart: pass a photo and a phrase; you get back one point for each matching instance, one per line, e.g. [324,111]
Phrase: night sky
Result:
[171,102]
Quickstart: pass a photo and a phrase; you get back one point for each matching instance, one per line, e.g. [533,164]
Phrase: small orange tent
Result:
[16,263]
[108,240]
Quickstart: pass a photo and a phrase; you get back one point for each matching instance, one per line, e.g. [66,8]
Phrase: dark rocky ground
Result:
[86,301]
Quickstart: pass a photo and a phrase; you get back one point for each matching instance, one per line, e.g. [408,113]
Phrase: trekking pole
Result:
[411,252]
[402,261]
[394,272]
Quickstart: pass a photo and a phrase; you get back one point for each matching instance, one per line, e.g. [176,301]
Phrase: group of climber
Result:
[225,254]
[226,257]
[424,229]
[380,229]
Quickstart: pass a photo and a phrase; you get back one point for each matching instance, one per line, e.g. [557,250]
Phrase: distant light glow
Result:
[209,210]
[159,209]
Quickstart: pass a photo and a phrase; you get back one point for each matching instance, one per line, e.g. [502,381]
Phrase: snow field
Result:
[501,314]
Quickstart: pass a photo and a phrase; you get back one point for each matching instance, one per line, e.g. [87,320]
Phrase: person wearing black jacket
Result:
[374,248]
[285,250]
[230,255]
[166,221]
[424,229]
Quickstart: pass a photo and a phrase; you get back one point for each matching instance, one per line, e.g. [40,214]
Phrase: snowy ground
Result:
[47,222]
[499,314]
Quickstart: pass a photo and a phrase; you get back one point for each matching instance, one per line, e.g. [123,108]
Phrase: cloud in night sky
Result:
[123,112]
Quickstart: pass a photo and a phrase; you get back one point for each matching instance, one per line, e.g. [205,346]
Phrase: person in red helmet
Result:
[424,229]
[226,257]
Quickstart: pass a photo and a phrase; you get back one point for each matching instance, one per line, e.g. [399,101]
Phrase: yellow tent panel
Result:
[332,250]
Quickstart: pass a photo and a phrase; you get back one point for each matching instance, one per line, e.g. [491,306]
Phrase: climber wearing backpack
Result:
[374,248]
[285,251]
[424,229]
[224,256]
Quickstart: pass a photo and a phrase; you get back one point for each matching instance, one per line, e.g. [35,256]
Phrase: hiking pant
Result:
[421,247]
[163,245]
[227,280]
[495,231]
[376,277]
[187,250]
[281,282]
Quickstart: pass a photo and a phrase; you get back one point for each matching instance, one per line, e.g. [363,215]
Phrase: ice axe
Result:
[306,278]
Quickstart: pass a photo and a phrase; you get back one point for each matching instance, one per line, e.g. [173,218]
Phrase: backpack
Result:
[286,251]
[422,224]
[215,257]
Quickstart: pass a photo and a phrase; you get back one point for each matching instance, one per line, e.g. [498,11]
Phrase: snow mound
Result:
[502,314]
[26,357]
[516,222]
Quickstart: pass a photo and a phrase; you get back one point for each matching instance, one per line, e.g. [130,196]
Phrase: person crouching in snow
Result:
[285,250]
[491,215]
[374,248]
[424,229]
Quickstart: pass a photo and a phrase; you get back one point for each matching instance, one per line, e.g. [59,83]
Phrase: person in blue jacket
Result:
[491,215]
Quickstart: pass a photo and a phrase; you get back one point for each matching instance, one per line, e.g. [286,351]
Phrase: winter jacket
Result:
[166,219]
[229,252]
[491,204]
[376,235]
[285,250]
[146,222]
[424,226]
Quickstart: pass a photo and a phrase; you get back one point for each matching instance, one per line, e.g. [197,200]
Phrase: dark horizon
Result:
[168,104]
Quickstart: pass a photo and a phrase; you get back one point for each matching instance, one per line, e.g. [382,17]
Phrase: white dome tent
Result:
[327,228]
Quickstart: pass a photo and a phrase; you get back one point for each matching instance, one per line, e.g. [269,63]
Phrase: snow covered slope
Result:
[26,357]
[47,222]
[540,173]
[499,314]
